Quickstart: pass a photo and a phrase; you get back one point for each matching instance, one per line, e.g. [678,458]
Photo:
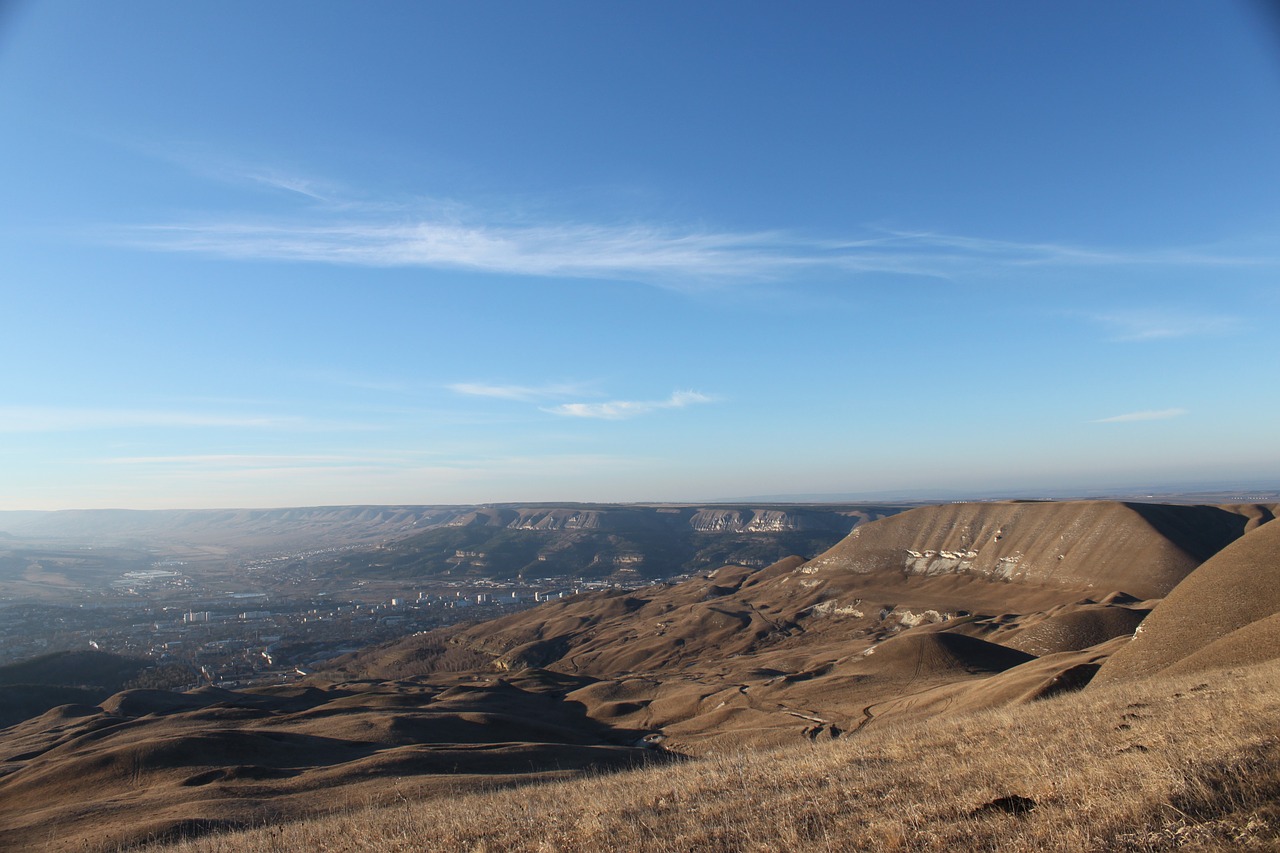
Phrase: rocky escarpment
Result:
[556,519]
[759,521]
[596,541]
[724,519]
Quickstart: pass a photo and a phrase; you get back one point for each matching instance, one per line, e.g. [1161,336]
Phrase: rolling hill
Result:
[923,618]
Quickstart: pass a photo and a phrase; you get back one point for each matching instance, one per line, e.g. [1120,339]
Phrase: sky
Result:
[297,253]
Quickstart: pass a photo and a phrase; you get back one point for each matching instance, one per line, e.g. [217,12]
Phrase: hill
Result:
[145,762]
[1184,763]
[920,619]
[1225,613]
[804,646]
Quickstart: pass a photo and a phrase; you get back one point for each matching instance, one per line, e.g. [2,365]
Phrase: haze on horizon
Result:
[291,255]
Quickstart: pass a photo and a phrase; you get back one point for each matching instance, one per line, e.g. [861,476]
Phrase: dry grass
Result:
[1189,764]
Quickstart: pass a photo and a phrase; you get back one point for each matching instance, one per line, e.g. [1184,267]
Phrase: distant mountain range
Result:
[500,541]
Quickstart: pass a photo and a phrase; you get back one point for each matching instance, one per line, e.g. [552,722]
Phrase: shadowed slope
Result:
[83,677]
[150,762]
[82,669]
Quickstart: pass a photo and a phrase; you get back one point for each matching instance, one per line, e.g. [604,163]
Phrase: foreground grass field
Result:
[1189,763]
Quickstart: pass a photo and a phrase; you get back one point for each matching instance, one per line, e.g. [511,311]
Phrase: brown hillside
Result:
[928,564]
[151,762]
[806,647]
[1218,616]
[1071,628]
[894,625]
[1165,764]
[1142,549]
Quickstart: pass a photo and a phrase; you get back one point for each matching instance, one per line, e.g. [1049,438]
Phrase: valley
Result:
[249,596]
[927,617]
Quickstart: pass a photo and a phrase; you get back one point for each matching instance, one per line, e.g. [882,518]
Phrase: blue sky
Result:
[297,253]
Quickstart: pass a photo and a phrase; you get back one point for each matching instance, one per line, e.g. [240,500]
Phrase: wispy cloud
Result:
[520,393]
[616,410]
[576,251]
[340,224]
[15,419]
[663,254]
[274,179]
[1162,324]
[1130,417]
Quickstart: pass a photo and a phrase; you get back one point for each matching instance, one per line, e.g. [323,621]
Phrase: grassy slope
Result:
[1152,765]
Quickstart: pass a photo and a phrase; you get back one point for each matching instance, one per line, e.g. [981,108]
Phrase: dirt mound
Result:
[930,655]
[1075,627]
[136,703]
[1234,589]
[1036,679]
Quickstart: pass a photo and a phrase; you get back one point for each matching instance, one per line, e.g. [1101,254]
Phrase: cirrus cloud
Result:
[670,255]
[616,410]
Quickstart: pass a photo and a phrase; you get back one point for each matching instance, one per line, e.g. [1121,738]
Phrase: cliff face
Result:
[763,521]
[676,519]
[556,519]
